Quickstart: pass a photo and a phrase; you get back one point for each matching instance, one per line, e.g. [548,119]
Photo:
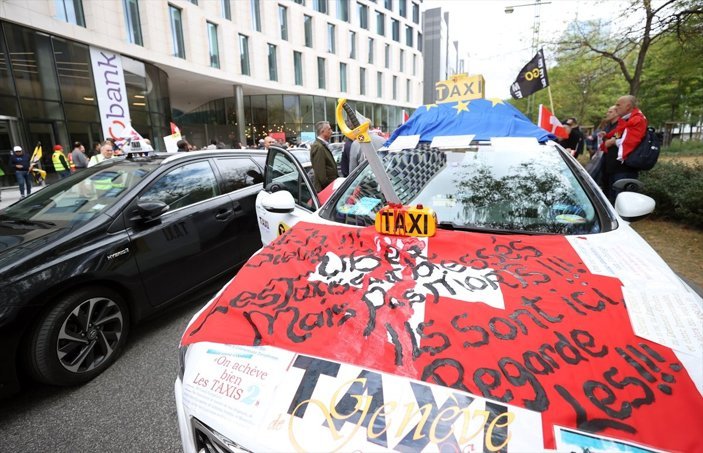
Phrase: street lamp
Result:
[535,35]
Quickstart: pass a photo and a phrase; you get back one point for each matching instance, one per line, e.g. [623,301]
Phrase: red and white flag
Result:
[405,116]
[550,123]
[175,129]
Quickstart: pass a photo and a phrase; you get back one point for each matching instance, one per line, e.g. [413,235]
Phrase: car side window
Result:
[238,173]
[183,186]
[284,173]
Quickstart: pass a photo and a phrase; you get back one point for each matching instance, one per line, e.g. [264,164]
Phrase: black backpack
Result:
[647,152]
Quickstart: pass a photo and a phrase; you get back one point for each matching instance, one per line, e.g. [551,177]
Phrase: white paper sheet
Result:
[404,142]
[452,141]
[670,318]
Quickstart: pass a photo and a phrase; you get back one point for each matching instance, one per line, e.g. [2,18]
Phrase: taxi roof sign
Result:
[398,220]
[460,87]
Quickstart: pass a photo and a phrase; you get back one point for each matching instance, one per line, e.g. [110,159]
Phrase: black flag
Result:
[532,78]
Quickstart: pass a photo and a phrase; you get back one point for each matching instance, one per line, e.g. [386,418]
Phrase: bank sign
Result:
[111,91]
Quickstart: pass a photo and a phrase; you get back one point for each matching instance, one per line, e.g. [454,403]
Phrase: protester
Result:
[80,160]
[212,145]
[323,163]
[20,161]
[268,141]
[183,146]
[58,159]
[629,132]
[574,143]
[106,152]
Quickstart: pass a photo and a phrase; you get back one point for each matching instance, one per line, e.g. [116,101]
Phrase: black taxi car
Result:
[85,258]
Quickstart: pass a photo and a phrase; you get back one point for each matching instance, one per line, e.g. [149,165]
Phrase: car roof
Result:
[170,157]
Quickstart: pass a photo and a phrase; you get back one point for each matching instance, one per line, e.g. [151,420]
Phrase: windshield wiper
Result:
[39,223]
[453,226]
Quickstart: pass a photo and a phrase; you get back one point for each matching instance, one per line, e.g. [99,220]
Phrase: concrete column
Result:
[239,109]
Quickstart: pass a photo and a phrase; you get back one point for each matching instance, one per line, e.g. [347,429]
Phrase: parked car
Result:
[86,258]
[534,317]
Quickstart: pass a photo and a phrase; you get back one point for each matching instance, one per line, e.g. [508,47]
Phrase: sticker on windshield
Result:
[570,218]
[364,206]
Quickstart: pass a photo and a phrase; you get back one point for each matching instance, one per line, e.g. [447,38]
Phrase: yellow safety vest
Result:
[56,160]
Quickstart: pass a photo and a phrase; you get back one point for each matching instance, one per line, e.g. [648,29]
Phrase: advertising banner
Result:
[111,92]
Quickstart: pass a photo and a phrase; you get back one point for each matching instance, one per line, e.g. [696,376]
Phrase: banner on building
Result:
[111,91]
[532,78]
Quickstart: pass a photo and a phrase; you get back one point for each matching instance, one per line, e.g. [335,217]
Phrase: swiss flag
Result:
[549,122]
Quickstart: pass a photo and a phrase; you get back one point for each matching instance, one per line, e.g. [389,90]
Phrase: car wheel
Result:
[79,337]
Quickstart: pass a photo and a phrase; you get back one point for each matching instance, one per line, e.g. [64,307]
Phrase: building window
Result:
[134,26]
[381,24]
[389,5]
[343,10]
[379,84]
[419,41]
[403,8]
[343,77]
[283,19]
[395,30]
[244,54]
[371,48]
[214,48]
[300,2]
[362,81]
[388,56]
[414,64]
[226,9]
[273,64]
[395,87]
[255,15]
[298,67]
[363,13]
[195,2]
[352,44]
[308,30]
[402,61]
[407,90]
[70,11]
[177,32]
[331,38]
[320,6]
[409,33]
[416,13]
[321,73]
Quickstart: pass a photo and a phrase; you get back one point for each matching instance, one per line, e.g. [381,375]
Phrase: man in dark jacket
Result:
[575,141]
[323,163]
[20,162]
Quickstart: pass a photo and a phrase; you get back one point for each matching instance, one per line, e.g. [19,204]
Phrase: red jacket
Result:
[630,133]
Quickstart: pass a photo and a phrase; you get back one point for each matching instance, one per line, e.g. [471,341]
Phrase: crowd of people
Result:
[620,132]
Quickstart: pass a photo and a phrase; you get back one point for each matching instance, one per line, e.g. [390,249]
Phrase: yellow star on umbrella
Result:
[495,101]
[461,106]
[429,106]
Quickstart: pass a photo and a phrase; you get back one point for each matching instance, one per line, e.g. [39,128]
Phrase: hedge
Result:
[678,190]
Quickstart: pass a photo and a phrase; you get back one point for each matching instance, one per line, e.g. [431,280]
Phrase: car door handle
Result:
[224,214]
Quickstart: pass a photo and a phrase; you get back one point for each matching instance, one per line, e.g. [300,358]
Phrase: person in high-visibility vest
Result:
[60,163]
[105,153]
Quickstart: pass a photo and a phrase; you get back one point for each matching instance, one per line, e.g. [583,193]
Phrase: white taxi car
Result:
[505,305]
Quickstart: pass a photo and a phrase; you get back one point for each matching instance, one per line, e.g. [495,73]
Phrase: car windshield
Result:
[523,190]
[83,196]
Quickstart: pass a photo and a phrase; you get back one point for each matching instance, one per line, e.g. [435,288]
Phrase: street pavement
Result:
[9,195]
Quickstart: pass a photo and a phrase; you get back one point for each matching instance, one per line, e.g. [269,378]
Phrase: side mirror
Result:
[150,210]
[280,202]
[629,185]
[632,206]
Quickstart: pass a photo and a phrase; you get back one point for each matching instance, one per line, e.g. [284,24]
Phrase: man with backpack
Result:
[621,142]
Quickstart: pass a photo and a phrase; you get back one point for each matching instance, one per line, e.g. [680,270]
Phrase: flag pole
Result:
[551,102]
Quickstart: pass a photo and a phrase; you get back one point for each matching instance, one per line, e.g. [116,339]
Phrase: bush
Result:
[688,148]
[678,191]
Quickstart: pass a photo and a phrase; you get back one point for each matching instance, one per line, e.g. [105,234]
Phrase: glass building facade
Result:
[47,95]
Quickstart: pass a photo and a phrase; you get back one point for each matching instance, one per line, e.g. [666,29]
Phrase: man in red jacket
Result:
[631,129]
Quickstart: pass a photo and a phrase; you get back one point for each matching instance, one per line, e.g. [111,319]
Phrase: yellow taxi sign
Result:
[399,220]
[460,87]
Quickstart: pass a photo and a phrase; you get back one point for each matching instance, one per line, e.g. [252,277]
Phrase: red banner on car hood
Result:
[518,319]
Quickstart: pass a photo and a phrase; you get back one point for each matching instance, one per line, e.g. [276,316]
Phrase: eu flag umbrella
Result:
[484,118]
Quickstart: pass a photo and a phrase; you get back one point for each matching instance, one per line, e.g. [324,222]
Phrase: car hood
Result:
[21,239]
[559,332]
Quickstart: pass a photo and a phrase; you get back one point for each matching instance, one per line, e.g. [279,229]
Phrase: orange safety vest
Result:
[70,163]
